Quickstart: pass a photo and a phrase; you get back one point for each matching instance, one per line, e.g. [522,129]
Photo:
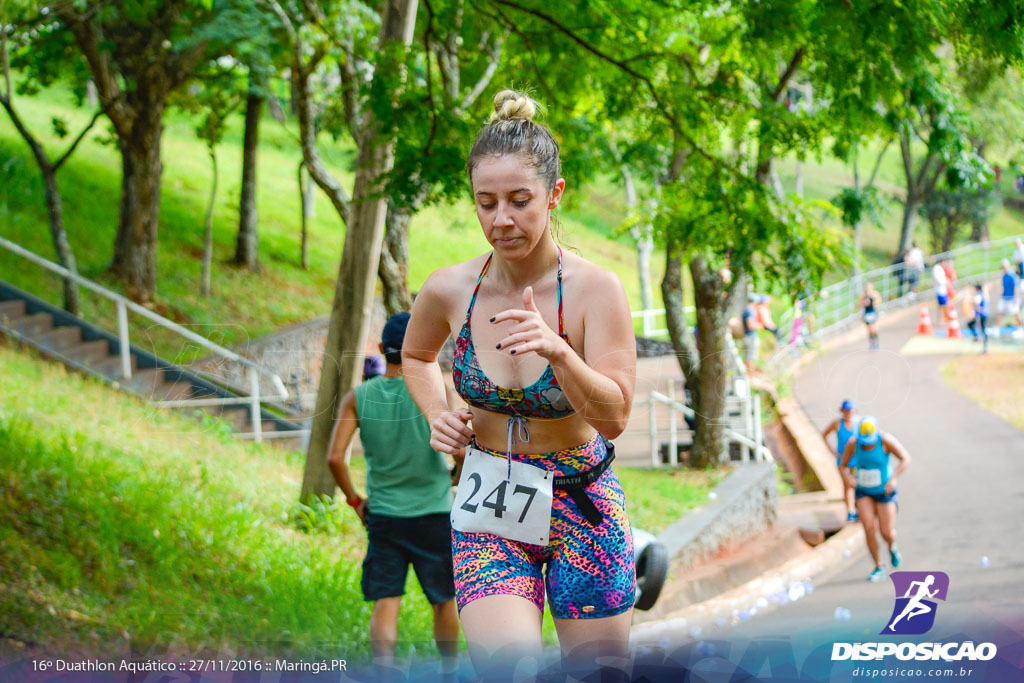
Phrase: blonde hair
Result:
[512,131]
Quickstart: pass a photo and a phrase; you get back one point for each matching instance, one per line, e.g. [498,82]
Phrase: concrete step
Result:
[145,381]
[111,366]
[12,310]
[60,338]
[34,325]
[172,391]
[89,352]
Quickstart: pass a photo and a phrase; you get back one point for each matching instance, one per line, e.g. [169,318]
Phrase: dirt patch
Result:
[994,381]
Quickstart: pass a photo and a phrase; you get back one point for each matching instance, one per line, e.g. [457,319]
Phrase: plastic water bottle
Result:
[983,562]
[841,614]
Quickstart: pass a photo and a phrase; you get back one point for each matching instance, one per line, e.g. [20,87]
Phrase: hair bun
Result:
[510,104]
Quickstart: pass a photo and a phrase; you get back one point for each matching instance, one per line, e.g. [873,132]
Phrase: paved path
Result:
[961,499]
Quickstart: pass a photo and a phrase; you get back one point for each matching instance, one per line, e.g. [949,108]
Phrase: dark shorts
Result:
[395,543]
[882,497]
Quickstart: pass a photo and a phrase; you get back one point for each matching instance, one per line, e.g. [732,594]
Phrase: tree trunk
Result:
[306,199]
[204,287]
[394,259]
[353,296]
[65,255]
[247,248]
[274,106]
[979,230]
[135,246]
[909,215]
[641,233]
[709,447]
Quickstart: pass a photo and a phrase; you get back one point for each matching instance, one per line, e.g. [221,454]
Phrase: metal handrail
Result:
[124,305]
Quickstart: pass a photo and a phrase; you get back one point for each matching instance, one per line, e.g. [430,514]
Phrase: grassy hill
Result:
[243,305]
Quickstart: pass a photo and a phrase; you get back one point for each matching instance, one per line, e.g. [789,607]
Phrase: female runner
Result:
[546,358]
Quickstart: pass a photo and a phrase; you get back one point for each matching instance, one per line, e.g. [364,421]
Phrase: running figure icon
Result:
[915,606]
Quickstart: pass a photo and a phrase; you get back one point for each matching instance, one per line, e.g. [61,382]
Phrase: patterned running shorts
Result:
[589,570]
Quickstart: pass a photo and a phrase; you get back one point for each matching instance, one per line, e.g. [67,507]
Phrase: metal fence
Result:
[124,306]
[836,308]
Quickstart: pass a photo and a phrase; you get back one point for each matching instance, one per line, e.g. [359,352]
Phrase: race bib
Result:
[869,479]
[488,500]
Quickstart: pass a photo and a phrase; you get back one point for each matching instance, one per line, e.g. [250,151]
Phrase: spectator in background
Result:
[751,344]
[764,315]
[900,268]
[941,288]
[914,261]
[373,366]
[1009,302]
[407,506]
[1018,259]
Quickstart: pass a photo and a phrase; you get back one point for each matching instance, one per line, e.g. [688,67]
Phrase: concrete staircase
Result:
[90,350]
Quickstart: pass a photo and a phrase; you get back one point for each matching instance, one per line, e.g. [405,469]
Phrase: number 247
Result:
[498,496]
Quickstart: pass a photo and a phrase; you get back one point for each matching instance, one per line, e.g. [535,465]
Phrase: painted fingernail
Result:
[492,319]
[513,352]
[497,346]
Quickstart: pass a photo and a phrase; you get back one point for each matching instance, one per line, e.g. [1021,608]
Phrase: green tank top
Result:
[405,477]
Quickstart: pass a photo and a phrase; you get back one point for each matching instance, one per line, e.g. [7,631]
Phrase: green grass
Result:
[657,498]
[121,523]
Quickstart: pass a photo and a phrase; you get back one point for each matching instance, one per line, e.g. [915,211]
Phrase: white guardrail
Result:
[122,307]
[836,308]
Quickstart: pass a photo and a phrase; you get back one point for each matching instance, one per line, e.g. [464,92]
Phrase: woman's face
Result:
[512,204]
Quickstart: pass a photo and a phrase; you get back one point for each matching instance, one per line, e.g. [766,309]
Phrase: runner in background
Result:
[408,502]
[978,308]
[869,302]
[844,427]
[875,487]
[951,278]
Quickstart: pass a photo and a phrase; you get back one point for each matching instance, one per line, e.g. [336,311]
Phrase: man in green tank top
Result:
[409,500]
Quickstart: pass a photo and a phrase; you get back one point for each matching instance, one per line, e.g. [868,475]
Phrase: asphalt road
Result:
[961,499]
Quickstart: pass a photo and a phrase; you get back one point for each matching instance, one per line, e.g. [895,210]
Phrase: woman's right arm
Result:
[427,332]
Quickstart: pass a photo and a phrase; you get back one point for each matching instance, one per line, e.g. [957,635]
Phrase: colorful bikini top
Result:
[544,398]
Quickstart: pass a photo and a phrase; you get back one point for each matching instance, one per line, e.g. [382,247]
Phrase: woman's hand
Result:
[450,432]
[890,486]
[530,333]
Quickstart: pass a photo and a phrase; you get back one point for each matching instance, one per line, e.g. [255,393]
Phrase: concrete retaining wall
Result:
[744,505]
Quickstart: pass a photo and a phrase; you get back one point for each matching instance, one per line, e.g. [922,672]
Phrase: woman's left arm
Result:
[600,389]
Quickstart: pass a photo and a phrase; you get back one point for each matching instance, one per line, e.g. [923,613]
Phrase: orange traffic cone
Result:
[952,324]
[924,323]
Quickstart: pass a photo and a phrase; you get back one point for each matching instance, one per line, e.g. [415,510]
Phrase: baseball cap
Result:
[394,333]
[867,432]
[848,405]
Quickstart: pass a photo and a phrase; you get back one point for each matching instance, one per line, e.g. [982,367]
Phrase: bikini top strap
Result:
[561,320]
[487,264]
[472,301]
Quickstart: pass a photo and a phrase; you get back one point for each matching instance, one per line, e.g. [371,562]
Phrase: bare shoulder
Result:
[599,283]
[446,286]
